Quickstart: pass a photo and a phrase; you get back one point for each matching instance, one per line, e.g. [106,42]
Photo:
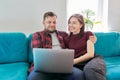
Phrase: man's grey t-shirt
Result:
[55,41]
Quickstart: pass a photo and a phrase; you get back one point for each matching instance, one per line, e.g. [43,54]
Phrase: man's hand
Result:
[93,39]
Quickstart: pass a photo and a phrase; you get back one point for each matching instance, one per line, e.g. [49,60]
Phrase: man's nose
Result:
[52,24]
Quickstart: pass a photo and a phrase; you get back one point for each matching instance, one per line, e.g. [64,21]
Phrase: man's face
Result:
[50,23]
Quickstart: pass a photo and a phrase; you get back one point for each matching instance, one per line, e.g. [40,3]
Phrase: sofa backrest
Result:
[108,44]
[13,47]
[30,49]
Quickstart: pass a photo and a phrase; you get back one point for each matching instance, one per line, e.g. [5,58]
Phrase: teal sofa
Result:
[16,54]
[13,56]
[108,45]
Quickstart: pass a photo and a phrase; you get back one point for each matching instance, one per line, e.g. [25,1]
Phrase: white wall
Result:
[114,15]
[26,15]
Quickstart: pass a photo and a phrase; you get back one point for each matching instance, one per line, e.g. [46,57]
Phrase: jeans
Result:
[77,74]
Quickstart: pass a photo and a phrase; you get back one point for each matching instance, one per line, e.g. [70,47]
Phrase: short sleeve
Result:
[89,33]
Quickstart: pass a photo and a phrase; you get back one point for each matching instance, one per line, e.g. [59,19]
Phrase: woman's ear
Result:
[81,25]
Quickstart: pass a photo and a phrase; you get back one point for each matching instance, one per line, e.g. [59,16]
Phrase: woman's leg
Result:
[95,69]
[40,76]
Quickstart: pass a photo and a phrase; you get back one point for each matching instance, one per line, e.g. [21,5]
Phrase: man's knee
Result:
[78,74]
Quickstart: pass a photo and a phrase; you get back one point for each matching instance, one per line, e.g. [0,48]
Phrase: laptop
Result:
[53,60]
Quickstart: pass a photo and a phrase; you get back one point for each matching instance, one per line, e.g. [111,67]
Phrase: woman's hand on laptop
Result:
[75,61]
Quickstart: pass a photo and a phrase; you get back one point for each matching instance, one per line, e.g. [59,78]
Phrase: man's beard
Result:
[51,31]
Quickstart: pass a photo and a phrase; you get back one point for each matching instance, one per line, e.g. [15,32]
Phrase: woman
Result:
[85,59]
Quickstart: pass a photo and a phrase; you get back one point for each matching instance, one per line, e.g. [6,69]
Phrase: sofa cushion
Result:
[107,44]
[13,47]
[113,68]
[14,71]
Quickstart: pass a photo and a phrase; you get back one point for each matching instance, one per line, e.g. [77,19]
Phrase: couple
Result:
[87,65]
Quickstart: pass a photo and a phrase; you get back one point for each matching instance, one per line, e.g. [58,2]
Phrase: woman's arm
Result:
[88,55]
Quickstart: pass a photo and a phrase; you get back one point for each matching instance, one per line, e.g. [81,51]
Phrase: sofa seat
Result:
[113,68]
[14,71]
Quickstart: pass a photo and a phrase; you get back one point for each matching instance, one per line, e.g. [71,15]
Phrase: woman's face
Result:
[74,25]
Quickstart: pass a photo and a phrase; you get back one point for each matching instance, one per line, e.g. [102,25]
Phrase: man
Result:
[51,38]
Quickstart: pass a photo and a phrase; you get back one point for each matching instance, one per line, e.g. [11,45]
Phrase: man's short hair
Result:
[51,14]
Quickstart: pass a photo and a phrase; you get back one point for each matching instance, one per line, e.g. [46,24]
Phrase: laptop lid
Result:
[53,60]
